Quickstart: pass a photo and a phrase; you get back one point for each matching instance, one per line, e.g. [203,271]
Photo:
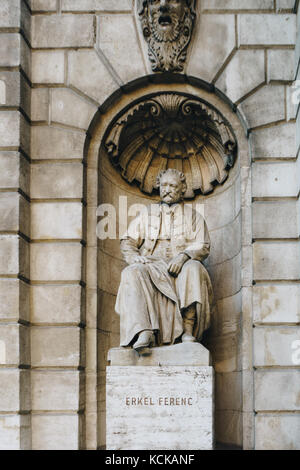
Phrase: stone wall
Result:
[59,62]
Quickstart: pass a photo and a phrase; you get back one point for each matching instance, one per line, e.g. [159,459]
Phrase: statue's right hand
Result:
[140,259]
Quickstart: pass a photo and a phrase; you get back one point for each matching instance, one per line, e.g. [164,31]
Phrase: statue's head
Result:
[165,17]
[172,186]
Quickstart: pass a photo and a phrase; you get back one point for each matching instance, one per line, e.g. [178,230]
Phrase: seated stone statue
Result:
[165,294]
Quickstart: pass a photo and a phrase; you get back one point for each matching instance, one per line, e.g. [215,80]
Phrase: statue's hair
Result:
[143,3]
[172,171]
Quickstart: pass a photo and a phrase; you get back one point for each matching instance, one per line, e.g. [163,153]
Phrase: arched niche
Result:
[226,209]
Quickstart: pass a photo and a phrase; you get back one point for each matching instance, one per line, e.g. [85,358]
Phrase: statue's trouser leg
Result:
[189,318]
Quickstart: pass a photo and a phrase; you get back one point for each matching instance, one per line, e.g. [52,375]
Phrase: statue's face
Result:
[171,189]
[166,16]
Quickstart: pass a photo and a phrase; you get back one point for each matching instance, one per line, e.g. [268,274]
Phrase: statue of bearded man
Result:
[165,295]
[167,27]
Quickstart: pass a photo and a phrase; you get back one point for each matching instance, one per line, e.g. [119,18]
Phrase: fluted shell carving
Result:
[172,131]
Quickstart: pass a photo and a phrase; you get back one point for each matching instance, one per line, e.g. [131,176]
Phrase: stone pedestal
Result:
[162,400]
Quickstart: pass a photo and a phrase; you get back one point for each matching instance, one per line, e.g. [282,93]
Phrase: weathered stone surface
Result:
[14,431]
[276,303]
[17,91]
[213,42]
[273,346]
[275,179]
[9,50]
[15,300]
[226,277]
[56,220]
[14,52]
[277,432]
[274,142]
[55,346]
[55,262]
[275,219]
[58,432]
[10,12]
[225,350]
[43,5]
[182,354]
[62,31]
[285,4]
[275,60]
[225,242]
[119,52]
[14,342]
[14,171]
[159,425]
[14,130]
[245,71]
[276,261]
[96,5]
[69,108]
[14,255]
[265,106]
[14,388]
[237,5]
[218,215]
[90,82]
[229,391]
[56,143]
[14,213]
[55,304]
[55,390]
[57,180]
[272,392]
[48,67]
[229,427]
[39,104]
[229,315]
[267,29]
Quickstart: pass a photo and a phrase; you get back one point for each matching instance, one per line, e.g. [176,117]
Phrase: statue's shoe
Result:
[188,338]
[145,340]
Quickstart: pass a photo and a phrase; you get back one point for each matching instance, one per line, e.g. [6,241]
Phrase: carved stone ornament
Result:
[171,130]
[167,27]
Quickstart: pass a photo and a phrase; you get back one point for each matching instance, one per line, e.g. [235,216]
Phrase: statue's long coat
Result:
[149,297]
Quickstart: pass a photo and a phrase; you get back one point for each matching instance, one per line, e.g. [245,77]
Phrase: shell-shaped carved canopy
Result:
[172,131]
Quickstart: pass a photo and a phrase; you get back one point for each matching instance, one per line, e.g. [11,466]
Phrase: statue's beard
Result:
[168,33]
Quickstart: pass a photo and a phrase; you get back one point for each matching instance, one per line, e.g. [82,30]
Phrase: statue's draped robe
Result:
[149,298]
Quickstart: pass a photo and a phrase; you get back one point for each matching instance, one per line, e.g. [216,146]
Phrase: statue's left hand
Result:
[176,264]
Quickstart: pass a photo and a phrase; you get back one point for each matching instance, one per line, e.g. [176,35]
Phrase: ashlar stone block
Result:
[277,432]
[272,392]
[14,256]
[275,179]
[56,262]
[14,171]
[267,29]
[56,31]
[237,5]
[56,220]
[55,390]
[274,142]
[39,104]
[56,304]
[55,346]
[14,300]
[60,432]
[279,303]
[14,344]
[43,5]
[14,388]
[96,5]
[48,67]
[213,42]
[14,431]
[275,219]
[121,53]
[69,108]
[281,64]
[245,71]
[265,106]
[276,261]
[273,346]
[55,143]
[57,180]
[96,82]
